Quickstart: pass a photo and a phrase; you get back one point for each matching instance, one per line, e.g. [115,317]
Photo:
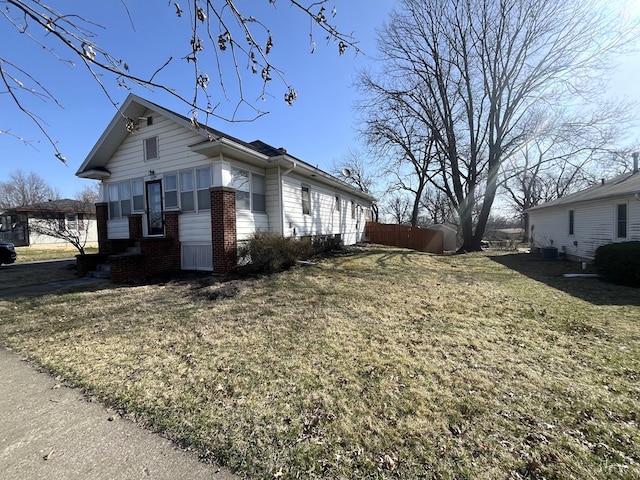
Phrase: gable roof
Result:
[134,107]
[621,186]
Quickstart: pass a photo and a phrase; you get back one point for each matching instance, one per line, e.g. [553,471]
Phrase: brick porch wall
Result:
[223,229]
[102,216]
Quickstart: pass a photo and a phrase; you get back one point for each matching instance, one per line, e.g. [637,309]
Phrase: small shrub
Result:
[619,263]
[267,253]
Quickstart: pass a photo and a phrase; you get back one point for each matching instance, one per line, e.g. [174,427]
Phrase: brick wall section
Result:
[102,216]
[157,255]
[89,262]
[135,226]
[223,229]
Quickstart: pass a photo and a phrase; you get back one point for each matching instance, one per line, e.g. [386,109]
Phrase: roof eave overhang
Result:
[309,171]
[94,174]
[230,149]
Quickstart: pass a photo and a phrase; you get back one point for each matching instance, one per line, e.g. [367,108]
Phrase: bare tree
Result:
[353,169]
[89,195]
[398,207]
[220,31]
[438,207]
[25,189]
[67,220]
[470,72]
[400,138]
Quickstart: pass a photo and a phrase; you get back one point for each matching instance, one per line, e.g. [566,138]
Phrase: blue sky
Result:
[318,128]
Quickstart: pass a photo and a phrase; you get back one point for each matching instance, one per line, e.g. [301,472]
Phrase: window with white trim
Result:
[337,204]
[187,190]
[571,222]
[353,210]
[621,220]
[125,198]
[306,200]
[170,186]
[151,148]
[138,195]
[250,190]
[203,183]
[258,196]
[187,203]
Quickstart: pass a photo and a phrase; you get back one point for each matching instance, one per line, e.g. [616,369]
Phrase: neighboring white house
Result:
[154,166]
[50,224]
[581,222]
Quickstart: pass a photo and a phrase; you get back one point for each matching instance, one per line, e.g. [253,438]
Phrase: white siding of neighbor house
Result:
[324,219]
[89,236]
[594,225]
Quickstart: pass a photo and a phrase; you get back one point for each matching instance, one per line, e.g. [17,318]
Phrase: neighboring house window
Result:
[170,184]
[151,148]
[203,181]
[353,210]
[621,214]
[186,191]
[306,200]
[571,220]
[250,190]
[72,222]
[337,206]
[81,222]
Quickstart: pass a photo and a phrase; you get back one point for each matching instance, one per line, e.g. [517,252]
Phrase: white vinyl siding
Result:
[325,219]
[151,148]
[595,224]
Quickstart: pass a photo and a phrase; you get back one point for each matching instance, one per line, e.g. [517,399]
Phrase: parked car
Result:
[7,252]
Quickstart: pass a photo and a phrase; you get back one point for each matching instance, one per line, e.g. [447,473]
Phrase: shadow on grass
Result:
[551,273]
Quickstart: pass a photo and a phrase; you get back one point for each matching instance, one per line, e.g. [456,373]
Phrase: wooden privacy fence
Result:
[421,239]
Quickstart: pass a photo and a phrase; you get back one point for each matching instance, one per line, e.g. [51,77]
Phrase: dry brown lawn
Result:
[386,363]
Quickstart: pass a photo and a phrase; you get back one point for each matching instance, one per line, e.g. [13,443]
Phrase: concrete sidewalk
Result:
[49,431]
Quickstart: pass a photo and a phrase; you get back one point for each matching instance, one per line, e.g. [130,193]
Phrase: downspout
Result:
[282,174]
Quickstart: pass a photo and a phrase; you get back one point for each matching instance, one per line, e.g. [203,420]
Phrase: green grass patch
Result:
[383,364]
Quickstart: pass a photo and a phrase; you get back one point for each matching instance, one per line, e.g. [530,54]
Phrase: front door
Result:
[154,208]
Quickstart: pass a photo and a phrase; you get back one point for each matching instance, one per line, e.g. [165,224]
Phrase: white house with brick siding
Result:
[578,224]
[168,186]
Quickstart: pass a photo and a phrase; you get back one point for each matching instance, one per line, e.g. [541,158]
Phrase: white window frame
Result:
[249,191]
[572,222]
[617,221]
[305,202]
